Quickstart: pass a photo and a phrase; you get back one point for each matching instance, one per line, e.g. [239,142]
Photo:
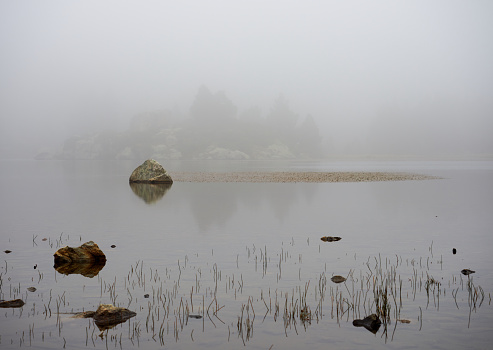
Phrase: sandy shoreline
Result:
[295,176]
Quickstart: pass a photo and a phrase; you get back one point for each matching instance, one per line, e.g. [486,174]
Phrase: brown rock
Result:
[330,239]
[12,303]
[108,315]
[86,260]
[150,172]
[337,279]
[88,252]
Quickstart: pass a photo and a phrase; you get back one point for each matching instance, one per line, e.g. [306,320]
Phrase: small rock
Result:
[337,279]
[454,251]
[44,239]
[371,323]
[330,239]
[467,272]
[113,246]
[31,289]
[146,295]
[404,321]
[7,251]
[12,303]
[109,314]
[195,316]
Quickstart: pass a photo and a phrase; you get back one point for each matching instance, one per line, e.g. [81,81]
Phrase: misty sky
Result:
[365,70]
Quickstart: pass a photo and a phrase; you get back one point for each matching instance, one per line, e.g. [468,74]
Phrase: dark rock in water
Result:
[195,316]
[7,251]
[88,252]
[12,303]
[113,246]
[86,260]
[150,172]
[454,251]
[371,323]
[146,295]
[467,272]
[150,193]
[337,279]
[107,316]
[330,239]
[31,289]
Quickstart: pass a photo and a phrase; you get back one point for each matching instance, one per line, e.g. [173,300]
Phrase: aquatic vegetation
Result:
[203,296]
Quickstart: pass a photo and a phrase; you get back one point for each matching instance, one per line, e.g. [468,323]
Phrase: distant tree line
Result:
[213,129]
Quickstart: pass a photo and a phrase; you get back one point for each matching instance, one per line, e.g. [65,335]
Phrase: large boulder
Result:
[150,172]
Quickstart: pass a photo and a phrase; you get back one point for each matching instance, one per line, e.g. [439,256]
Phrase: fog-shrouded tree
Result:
[308,137]
[281,116]
[212,108]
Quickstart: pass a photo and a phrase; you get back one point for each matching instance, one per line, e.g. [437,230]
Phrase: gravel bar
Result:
[295,176]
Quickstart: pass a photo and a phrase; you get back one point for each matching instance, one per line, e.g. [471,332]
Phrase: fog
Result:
[378,77]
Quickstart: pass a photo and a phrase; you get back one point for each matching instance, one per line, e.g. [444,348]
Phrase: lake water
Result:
[247,257]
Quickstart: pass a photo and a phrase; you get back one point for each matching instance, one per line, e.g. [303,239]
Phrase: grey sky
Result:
[363,69]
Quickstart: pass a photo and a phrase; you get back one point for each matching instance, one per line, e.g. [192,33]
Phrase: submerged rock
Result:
[107,316]
[150,172]
[198,317]
[371,323]
[330,239]
[338,279]
[12,303]
[86,260]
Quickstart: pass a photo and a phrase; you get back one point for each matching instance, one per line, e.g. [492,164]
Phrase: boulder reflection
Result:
[150,193]
[84,268]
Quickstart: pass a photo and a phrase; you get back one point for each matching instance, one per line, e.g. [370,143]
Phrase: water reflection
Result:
[150,193]
[86,268]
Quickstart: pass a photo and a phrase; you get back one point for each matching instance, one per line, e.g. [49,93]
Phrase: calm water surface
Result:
[246,256]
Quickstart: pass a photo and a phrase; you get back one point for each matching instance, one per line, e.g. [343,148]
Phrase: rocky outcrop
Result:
[150,172]
[86,260]
[107,316]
